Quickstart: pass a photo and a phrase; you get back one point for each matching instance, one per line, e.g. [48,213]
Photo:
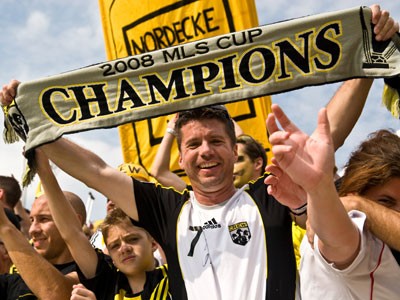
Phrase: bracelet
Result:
[171,131]
[300,210]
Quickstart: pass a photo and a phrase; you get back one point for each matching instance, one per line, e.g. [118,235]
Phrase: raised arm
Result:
[309,162]
[89,168]
[66,219]
[346,105]
[48,282]
[381,221]
[160,168]
[84,165]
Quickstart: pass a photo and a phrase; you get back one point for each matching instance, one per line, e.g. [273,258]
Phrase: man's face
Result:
[109,206]
[245,169]
[131,248]
[207,155]
[44,234]
[387,194]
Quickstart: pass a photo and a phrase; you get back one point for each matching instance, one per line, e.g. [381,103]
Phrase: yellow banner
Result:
[135,27]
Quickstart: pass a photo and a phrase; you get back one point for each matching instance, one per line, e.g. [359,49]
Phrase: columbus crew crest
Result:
[17,121]
[377,53]
[240,233]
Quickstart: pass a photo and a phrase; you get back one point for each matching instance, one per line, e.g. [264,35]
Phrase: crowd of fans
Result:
[242,228]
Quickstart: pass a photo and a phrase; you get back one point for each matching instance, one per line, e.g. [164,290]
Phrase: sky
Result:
[48,37]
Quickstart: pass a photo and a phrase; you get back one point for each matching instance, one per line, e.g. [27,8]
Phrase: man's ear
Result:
[1,194]
[154,245]
[81,220]
[180,161]
[258,163]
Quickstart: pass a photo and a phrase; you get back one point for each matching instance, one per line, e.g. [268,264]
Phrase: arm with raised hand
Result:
[346,105]
[84,165]
[160,168]
[89,168]
[279,184]
[66,219]
[381,220]
[44,280]
[309,161]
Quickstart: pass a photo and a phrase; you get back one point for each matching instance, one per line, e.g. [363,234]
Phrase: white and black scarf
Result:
[264,60]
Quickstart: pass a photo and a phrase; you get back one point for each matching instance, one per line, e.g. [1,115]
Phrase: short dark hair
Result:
[116,216]
[215,112]
[253,149]
[113,218]
[12,190]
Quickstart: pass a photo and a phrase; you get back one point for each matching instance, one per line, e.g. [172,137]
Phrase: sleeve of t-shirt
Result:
[105,272]
[157,206]
[365,257]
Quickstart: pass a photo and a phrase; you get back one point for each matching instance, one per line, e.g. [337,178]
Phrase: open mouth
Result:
[38,242]
[208,165]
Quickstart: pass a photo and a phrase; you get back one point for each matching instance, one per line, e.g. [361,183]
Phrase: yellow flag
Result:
[139,26]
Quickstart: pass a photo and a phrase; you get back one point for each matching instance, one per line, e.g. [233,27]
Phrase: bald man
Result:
[46,270]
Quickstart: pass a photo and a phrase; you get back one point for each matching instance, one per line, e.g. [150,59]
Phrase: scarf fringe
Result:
[9,134]
[30,169]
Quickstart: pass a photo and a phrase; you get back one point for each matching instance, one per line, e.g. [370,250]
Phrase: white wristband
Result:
[300,210]
[171,131]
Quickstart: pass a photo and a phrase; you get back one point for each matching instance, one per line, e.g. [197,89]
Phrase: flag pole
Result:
[89,205]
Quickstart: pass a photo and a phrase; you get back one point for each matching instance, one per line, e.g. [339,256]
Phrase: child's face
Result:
[131,248]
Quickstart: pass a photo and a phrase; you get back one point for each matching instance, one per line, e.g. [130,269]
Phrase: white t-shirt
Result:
[374,274]
[223,238]
[239,249]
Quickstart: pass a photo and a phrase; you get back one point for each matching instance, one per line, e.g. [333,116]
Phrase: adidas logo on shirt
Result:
[212,224]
